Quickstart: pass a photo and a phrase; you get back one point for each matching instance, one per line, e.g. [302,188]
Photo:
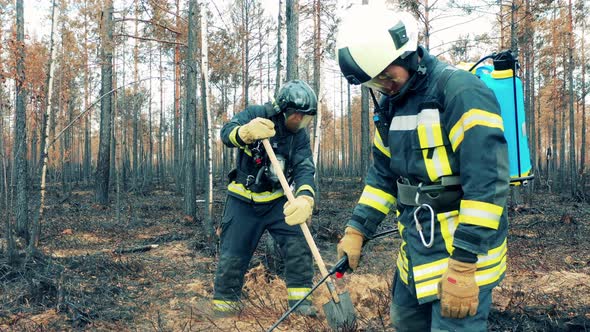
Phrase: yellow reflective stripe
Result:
[429,270]
[482,278]
[223,305]
[429,130]
[493,256]
[480,214]
[402,260]
[430,136]
[427,288]
[265,196]
[305,187]
[377,199]
[448,224]
[437,166]
[232,136]
[488,276]
[403,272]
[378,142]
[247,151]
[298,293]
[470,119]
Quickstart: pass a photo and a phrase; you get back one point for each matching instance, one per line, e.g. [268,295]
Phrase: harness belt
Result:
[444,195]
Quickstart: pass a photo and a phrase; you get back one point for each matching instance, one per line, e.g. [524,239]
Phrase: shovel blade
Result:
[341,316]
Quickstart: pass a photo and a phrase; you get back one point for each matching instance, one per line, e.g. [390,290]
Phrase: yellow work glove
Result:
[457,290]
[299,211]
[351,245]
[257,128]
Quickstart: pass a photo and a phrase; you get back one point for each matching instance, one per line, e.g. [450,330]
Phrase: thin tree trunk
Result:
[20,132]
[350,142]
[102,168]
[292,22]
[279,41]
[583,144]
[161,130]
[209,224]
[87,130]
[177,146]
[36,227]
[189,116]
[572,151]
[317,89]
[365,139]
[150,139]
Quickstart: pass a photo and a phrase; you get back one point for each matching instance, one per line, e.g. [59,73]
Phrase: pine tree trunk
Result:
[572,152]
[209,224]
[279,50]
[365,139]
[292,22]
[189,115]
[178,165]
[161,130]
[350,139]
[20,132]
[103,162]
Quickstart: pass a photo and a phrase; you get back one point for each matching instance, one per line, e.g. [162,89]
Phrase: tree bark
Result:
[209,224]
[102,168]
[20,132]
[292,22]
[189,115]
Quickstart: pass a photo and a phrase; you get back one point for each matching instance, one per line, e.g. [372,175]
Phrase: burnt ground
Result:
[90,277]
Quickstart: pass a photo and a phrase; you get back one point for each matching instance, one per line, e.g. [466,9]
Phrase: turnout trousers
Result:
[242,226]
[408,315]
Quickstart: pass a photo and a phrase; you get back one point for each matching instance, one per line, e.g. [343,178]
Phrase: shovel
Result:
[339,311]
[339,269]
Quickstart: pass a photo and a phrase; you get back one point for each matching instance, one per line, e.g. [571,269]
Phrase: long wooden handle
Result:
[304,228]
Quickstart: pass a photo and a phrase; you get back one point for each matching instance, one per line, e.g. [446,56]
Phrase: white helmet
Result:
[370,38]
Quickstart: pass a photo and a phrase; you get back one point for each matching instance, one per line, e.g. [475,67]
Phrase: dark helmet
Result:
[297,95]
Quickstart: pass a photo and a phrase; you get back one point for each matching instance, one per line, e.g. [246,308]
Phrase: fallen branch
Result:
[135,249]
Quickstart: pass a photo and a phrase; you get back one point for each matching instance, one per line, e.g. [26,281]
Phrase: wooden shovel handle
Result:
[304,228]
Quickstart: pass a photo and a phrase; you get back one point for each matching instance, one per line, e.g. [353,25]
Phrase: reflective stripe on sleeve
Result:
[473,117]
[232,136]
[305,187]
[377,199]
[480,214]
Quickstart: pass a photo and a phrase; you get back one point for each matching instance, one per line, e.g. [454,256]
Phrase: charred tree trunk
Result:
[189,116]
[102,168]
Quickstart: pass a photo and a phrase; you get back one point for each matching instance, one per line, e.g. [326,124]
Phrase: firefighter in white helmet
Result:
[440,160]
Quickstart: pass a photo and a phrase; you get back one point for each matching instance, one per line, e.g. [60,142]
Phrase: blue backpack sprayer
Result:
[501,78]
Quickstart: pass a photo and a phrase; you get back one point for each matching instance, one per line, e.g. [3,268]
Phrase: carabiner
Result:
[418,225]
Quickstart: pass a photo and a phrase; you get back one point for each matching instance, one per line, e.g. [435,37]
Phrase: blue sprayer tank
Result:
[502,83]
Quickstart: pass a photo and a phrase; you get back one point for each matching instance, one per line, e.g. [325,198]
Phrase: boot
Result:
[306,309]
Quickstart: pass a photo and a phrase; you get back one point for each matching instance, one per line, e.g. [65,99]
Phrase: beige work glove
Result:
[457,290]
[299,211]
[351,245]
[257,128]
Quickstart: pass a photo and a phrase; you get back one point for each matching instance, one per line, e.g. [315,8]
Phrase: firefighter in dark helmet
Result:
[256,202]
[440,161]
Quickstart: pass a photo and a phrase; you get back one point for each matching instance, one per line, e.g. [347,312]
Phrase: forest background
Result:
[107,106]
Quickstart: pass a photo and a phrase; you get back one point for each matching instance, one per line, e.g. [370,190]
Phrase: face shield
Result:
[295,121]
[388,82]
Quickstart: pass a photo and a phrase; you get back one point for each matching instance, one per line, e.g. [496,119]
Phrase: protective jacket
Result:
[448,126]
[253,179]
